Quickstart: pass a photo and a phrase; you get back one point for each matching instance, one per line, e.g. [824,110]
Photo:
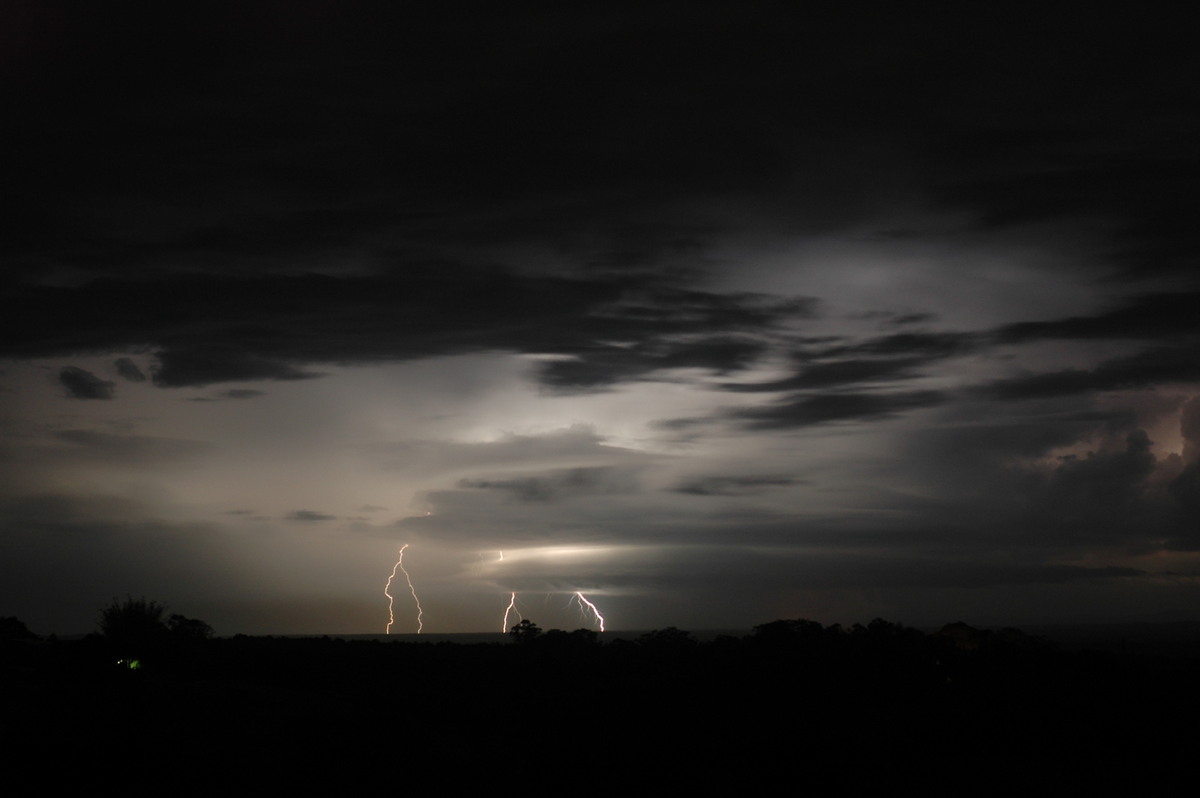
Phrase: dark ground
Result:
[794,702]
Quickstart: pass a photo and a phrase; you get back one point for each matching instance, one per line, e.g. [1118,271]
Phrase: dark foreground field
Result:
[794,703]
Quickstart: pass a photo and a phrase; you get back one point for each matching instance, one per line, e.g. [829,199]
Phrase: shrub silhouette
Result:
[133,625]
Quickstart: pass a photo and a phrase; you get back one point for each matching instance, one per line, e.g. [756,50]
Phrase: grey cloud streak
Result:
[309,516]
[129,370]
[822,408]
[559,484]
[83,384]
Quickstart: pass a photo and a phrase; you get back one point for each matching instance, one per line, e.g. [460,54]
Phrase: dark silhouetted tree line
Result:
[790,697]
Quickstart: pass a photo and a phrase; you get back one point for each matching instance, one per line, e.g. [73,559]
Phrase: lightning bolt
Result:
[512,599]
[582,601]
[387,587]
[511,608]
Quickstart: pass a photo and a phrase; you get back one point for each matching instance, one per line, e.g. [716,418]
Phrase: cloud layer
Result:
[720,317]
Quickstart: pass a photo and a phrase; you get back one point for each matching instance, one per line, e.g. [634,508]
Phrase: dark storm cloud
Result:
[1185,487]
[1096,489]
[198,253]
[519,108]
[1146,369]
[1068,137]
[225,328]
[1189,429]
[663,329]
[972,441]
[598,100]
[1056,485]
[1146,316]
[204,364]
[583,131]
[83,384]
[1150,230]
[129,370]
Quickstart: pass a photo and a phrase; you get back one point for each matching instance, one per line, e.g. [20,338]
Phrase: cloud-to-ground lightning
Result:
[512,599]
[582,601]
[511,608]
[387,588]
[587,609]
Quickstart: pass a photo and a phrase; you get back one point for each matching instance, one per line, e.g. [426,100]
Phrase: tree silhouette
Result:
[525,631]
[668,638]
[133,625]
[188,628]
[12,628]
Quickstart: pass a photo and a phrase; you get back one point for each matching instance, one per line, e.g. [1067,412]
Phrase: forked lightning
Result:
[387,588]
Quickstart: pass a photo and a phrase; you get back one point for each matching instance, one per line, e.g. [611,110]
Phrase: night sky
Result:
[715,313]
